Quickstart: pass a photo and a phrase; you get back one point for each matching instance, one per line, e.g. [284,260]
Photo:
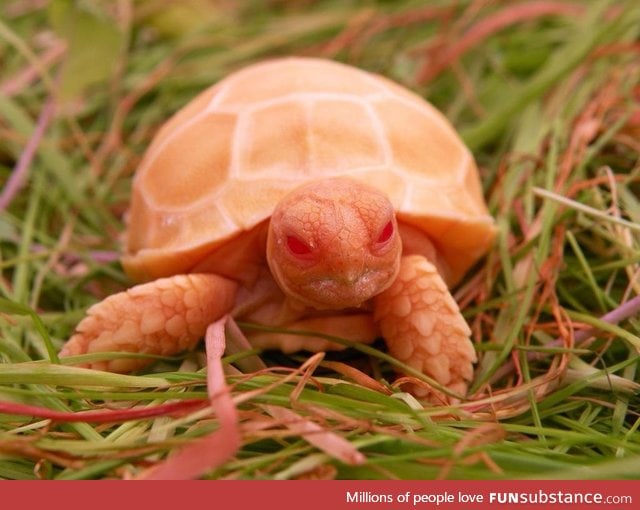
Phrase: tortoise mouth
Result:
[334,292]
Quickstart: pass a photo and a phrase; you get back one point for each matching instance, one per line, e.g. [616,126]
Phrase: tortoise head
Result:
[334,243]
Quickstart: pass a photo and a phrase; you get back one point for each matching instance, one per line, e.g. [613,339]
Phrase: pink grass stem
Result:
[102,416]
[32,73]
[211,451]
[104,256]
[18,176]
[622,312]
[492,24]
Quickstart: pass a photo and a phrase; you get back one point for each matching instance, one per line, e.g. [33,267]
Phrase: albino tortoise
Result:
[300,193]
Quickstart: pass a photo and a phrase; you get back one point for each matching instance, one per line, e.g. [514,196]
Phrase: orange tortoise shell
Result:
[218,167]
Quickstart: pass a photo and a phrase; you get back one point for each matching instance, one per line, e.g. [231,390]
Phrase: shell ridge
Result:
[425,108]
[462,168]
[308,107]
[379,131]
[150,159]
[217,97]
[302,96]
[239,135]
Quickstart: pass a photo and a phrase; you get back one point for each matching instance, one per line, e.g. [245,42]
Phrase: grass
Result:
[547,95]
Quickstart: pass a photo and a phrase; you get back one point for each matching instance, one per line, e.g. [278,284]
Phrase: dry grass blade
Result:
[333,444]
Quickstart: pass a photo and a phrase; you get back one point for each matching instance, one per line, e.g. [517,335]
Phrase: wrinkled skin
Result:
[334,245]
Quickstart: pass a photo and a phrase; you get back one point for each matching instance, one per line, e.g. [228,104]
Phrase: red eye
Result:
[297,246]
[386,233]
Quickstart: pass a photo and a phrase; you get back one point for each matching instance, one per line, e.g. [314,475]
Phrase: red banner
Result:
[323,495]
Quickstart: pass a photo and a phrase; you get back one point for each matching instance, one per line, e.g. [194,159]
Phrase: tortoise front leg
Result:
[164,317]
[423,326]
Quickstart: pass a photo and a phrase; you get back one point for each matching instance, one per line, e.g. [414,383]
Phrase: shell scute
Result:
[192,109]
[437,157]
[273,142]
[337,145]
[194,165]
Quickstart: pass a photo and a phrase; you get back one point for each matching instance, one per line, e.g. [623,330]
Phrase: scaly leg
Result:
[164,317]
[423,326]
